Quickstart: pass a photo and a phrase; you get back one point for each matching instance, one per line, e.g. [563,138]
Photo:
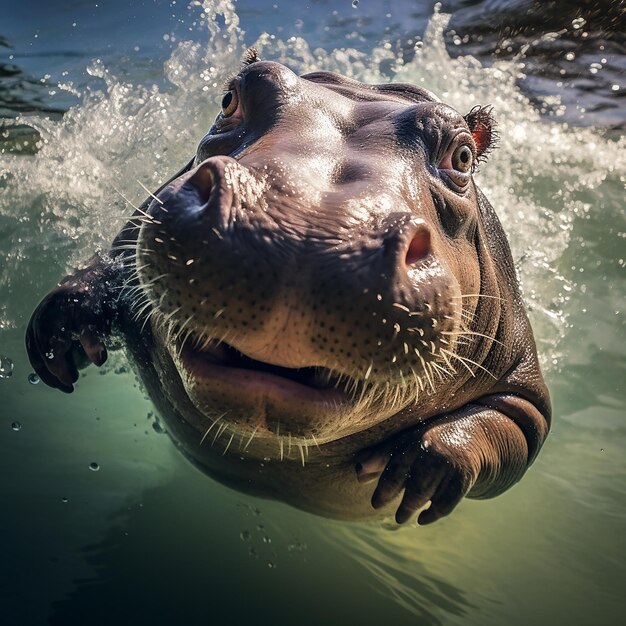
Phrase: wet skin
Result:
[322,305]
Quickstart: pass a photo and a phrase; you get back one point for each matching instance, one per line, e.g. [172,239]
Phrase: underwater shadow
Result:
[192,552]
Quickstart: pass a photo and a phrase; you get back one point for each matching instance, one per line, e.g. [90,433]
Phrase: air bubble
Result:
[296,546]
[6,367]
[16,426]
[158,428]
[33,379]
[245,535]
[94,467]
[355,4]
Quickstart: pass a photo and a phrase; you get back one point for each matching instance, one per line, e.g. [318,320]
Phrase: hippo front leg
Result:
[70,326]
[479,450]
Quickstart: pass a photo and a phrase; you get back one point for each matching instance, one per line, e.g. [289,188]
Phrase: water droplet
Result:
[33,379]
[156,426]
[6,367]
[570,56]
[271,564]
[245,535]
[16,426]
[578,23]
[64,500]
[94,467]
[96,68]
[267,539]
[355,4]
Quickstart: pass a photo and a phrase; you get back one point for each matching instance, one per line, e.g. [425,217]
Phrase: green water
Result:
[148,539]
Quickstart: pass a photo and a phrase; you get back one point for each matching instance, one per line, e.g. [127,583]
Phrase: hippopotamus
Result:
[322,305]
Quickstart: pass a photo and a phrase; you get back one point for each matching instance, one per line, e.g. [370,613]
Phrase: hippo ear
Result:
[482,125]
[250,56]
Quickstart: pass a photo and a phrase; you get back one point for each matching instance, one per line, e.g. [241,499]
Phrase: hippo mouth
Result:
[217,364]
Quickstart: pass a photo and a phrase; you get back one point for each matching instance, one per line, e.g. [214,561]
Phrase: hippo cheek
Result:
[389,334]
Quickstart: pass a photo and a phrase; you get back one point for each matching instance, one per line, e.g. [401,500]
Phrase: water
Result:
[147,538]
[6,367]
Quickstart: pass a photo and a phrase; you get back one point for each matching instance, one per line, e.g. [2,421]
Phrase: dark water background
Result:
[98,96]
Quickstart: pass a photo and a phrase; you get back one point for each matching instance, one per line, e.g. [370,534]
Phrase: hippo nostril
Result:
[419,247]
[202,180]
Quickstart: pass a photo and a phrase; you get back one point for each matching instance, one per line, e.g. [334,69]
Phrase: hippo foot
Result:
[427,465]
[68,329]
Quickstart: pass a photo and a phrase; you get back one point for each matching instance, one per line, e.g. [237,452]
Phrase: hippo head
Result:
[317,270]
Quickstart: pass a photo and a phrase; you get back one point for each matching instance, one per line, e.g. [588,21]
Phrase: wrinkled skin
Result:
[322,305]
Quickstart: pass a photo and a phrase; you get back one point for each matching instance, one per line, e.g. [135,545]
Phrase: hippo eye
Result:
[463,159]
[230,102]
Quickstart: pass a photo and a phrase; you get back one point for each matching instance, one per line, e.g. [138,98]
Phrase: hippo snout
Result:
[231,253]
